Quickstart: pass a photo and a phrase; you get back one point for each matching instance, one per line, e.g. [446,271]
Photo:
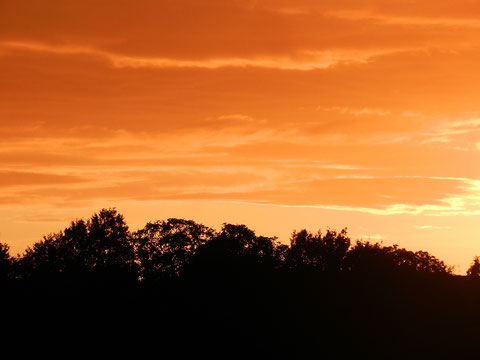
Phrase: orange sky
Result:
[279,114]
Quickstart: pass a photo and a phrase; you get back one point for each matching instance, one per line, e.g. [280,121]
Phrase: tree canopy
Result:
[100,245]
[321,293]
[164,249]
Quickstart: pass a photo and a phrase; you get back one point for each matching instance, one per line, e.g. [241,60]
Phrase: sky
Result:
[277,114]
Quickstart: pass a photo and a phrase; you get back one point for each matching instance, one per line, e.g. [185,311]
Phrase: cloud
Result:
[9,179]
[375,237]
[463,130]
[358,112]
[433,227]
[392,19]
[168,172]
[307,60]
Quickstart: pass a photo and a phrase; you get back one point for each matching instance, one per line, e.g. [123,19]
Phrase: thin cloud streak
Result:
[306,61]
[392,19]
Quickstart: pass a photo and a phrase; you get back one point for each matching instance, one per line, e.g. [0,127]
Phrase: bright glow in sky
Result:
[280,114]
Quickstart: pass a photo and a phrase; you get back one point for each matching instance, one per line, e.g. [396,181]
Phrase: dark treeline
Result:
[188,287]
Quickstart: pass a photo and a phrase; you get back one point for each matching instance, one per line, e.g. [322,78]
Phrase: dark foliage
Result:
[474,269]
[6,262]
[98,252]
[180,286]
[326,253]
[163,248]
[374,258]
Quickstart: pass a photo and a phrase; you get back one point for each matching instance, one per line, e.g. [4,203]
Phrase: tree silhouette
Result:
[323,252]
[101,245]
[240,240]
[375,258]
[474,269]
[164,247]
[109,243]
[6,262]
[236,249]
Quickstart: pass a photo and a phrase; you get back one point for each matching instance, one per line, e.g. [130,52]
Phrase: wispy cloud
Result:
[395,19]
[447,131]
[302,61]
[433,227]
[375,237]
[357,112]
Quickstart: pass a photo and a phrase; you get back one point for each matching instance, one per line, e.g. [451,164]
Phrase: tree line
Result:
[179,285]
[104,246]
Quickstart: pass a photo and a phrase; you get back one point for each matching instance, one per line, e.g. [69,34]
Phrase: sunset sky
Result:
[277,114]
